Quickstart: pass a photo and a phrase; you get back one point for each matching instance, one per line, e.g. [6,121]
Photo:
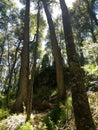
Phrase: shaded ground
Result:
[36,123]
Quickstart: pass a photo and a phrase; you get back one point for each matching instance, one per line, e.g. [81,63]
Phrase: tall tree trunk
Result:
[56,54]
[92,19]
[83,117]
[82,59]
[33,70]
[9,77]
[91,12]
[24,70]
[91,28]
[92,32]
[1,53]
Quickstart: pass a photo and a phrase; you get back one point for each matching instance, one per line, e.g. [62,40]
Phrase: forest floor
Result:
[12,122]
[15,121]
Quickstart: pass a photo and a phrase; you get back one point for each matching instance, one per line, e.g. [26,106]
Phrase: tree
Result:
[24,70]
[92,17]
[8,23]
[85,21]
[45,61]
[56,53]
[33,70]
[80,103]
[10,74]
[79,29]
[84,28]
[90,9]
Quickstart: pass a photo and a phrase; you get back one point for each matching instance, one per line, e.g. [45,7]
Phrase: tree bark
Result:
[9,76]
[83,117]
[24,70]
[56,54]
[90,11]
[33,70]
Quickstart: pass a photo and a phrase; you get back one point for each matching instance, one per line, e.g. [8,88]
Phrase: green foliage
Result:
[90,51]
[26,126]
[4,113]
[91,77]
[66,109]
[92,98]
[55,115]
[69,103]
[2,100]
[55,118]
[43,127]
[49,123]
[3,125]
[91,69]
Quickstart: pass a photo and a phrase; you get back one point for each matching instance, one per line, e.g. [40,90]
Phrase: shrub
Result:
[55,118]
[49,123]
[4,113]
[26,126]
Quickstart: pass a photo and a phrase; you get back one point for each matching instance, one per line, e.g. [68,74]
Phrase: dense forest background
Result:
[48,65]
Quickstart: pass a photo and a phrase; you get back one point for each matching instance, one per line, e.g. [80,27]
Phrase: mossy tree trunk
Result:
[83,117]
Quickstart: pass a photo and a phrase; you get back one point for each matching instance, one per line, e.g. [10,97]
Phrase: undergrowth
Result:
[4,113]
